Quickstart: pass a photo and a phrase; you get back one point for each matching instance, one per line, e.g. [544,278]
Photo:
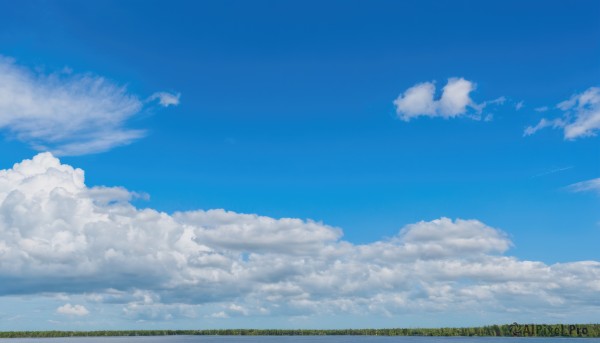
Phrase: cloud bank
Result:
[66,113]
[581,116]
[59,236]
[455,100]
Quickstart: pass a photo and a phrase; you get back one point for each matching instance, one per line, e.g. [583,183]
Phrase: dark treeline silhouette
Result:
[523,330]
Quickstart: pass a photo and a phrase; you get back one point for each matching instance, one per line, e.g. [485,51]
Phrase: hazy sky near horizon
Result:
[313,164]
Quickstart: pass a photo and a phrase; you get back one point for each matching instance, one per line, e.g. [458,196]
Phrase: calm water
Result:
[297,339]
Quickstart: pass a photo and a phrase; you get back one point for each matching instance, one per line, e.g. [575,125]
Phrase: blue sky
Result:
[334,112]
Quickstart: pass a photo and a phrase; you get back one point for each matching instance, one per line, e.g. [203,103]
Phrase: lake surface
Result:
[299,339]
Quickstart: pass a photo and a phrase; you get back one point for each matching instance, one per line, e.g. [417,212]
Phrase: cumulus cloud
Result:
[68,113]
[455,100]
[416,101]
[73,310]
[59,236]
[581,116]
[455,96]
[443,237]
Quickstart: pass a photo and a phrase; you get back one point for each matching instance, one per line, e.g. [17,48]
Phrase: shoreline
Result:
[504,330]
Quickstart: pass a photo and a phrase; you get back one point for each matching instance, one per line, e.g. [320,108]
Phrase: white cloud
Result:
[166,99]
[146,305]
[67,113]
[73,310]
[544,123]
[455,97]
[581,117]
[255,234]
[59,236]
[552,171]
[416,101]
[444,237]
[592,185]
[220,315]
[419,100]
[238,309]
[519,105]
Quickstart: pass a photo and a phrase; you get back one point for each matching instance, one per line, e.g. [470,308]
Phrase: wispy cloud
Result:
[59,236]
[519,105]
[455,101]
[552,171]
[166,99]
[581,116]
[68,113]
[592,185]
[544,123]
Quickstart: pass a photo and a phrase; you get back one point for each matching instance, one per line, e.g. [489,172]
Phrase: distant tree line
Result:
[522,330]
